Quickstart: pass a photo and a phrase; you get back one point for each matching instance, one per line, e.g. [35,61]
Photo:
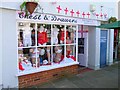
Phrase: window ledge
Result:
[45,68]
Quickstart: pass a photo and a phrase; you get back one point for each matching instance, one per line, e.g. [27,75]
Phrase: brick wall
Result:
[45,76]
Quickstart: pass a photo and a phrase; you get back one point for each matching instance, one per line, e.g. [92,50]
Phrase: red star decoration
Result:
[101,15]
[97,15]
[59,9]
[78,13]
[88,14]
[66,11]
[83,14]
[72,12]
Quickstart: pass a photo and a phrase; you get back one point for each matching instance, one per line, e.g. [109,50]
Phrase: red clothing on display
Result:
[21,67]
[42,37]
[72,57]
[62,35]
[45,37]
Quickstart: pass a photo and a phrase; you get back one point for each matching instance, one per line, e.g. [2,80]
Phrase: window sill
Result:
[45,68]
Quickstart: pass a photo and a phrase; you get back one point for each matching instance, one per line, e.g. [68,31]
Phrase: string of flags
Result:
[78,13]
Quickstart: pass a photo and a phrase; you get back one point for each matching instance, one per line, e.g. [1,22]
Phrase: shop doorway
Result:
[103,48]
[83,45]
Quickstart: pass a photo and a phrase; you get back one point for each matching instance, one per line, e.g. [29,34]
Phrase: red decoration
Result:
[21,67]
[88,14]
[72,57]
[105,15]
[83,14]
[78,13]
[97,15]
[101,15]
[72,12]
[59,9]
[82,31]
[66,11]
[42,37]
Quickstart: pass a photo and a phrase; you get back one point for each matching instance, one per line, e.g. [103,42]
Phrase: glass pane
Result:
[58,34]
[70,34]
[58,54]
[71,53]
[44,55]
[26,35]
[27,59]
[44,34]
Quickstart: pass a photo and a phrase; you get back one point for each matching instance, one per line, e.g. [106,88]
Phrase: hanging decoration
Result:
[83,14]
[59,9]
[101,15]
[88,14]
[97,15]
[105,15]
[66,11]
[77,13]
[72,12]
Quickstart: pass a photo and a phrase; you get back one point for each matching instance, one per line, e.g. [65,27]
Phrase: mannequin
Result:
[45,36]
[42,36]
[54,35]
[68,47]
[27,36]
[26,64]
[58,54]
[62,35]
[33,56]
[72,36]
[33,36]
[48,54]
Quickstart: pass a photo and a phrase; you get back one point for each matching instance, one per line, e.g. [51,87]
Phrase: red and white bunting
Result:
[59,9]
[101,15]
[72,12]
[97,15]
[88,14]
[78,13]
[66,11]
[83,14]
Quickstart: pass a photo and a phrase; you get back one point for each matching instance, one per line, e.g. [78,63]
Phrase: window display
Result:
[45,45]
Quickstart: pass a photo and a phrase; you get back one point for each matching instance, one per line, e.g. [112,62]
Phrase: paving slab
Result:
[106,77]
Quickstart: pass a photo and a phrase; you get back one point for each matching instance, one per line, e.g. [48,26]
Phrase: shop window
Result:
[45,45]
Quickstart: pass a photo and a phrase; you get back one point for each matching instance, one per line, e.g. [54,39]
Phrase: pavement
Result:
[106,77]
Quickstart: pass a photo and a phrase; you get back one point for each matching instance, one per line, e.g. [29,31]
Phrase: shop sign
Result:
[46,18]
[55,19]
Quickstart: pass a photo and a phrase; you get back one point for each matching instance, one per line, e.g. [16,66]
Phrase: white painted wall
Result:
[9,49]
[82,6]
[94,48]
[118,10]
[111,47]
[1,49]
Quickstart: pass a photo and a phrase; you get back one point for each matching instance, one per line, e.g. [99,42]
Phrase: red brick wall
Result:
[45,76]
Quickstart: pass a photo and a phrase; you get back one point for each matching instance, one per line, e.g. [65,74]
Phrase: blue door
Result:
[103,48]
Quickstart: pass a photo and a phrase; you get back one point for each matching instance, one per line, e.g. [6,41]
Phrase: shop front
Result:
[48,47]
